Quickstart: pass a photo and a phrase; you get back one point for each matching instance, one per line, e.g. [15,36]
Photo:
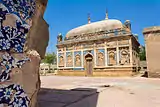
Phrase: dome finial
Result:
[89,18]
[106,14]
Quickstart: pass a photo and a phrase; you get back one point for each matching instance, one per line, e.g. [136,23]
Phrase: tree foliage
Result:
[142,54]
[50,58]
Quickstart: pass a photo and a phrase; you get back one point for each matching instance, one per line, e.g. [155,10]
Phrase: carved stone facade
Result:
[152,44]
[77,60]
[100,59]
[98,48]
[124,56]
[20,53]
[112,58]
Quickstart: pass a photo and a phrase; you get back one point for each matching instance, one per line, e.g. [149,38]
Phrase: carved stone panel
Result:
[100,57]
[77,46]
[100,44]
[77,59]
[112,60]
[112,44]
[69,48]
[123,42]
[88,45]
[61,60]
[124,56]
[69,59]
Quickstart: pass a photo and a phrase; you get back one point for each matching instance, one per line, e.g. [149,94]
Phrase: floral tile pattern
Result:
[23,8]
[13,96]
[8,63]
[12,40]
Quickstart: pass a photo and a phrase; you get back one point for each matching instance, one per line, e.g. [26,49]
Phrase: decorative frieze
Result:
[100,44]
[111,44]
[77,47]
[88,45]
[96,35]
[123,42]
[69,48]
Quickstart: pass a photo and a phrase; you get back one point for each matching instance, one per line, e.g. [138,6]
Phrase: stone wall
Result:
[152,42]
[23,41]
[109,72]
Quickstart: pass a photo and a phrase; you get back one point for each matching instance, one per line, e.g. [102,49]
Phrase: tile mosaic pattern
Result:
[13,96]
[12,40]
[23,8]
[7,63]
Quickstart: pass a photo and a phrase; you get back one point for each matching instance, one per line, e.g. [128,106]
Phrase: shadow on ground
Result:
[79,97]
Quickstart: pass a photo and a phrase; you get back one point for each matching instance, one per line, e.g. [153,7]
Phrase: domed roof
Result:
[104,25]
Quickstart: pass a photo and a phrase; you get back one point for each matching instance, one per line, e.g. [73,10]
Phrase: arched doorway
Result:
[89,64]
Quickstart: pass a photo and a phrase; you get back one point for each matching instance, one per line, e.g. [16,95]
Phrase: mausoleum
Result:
[103,48]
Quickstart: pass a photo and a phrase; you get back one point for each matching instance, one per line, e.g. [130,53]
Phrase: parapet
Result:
[153,29]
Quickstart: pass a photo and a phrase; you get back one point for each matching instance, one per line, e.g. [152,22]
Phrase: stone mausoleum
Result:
[103,48]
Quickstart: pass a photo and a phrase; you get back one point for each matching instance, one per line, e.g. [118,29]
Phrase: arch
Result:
[88,55]
[89,64]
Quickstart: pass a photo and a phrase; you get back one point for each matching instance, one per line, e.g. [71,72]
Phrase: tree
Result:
[142,54]
[50,58]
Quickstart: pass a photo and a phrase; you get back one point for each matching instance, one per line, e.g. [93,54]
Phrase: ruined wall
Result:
[152,43]
[23,40]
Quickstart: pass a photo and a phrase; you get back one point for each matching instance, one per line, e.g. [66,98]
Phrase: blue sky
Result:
[63,15]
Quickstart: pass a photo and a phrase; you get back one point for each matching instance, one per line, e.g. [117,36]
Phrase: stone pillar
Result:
[152,44]
[22,51]
[95,56]
[130,51]
[117,53]
[106,54]
[82,58]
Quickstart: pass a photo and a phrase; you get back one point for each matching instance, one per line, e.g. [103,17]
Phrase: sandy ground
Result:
[60,91]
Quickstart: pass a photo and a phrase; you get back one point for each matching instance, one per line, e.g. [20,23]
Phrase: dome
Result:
[103,25]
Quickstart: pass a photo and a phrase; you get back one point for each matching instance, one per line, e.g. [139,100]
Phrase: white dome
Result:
[103,25]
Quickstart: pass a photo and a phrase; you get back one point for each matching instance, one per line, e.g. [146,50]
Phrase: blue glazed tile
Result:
[13,96]
[23,8]
[8,63]
[12,39]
